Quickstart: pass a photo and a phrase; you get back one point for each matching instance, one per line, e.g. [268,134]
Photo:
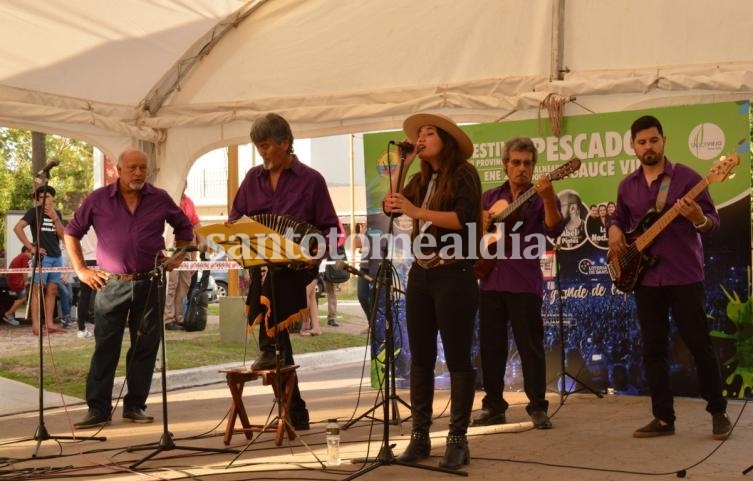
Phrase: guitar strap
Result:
[661,198]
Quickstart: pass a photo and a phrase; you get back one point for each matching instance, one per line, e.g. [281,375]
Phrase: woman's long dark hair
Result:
[449,160]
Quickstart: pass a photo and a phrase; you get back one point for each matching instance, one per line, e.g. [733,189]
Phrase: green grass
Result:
[67,372]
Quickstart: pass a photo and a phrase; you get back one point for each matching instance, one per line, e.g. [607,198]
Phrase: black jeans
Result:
[686,303]
[445,300]
[523,313]
[298,412]
[119,304]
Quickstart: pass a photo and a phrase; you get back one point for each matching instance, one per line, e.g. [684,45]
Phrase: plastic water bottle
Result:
[333,443]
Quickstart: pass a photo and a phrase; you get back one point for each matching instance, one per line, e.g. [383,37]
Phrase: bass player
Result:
[675,283]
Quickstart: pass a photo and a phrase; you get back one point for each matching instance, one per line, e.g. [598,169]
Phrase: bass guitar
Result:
[627,268]
[485,263]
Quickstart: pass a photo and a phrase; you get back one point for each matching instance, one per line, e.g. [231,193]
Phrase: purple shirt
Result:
[129,243]
[678,247]
[301,193]
[519,275]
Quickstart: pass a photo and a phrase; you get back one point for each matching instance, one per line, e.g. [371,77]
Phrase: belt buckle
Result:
[430,263]
[137,276]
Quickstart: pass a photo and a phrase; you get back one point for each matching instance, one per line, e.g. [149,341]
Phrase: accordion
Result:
[304,235]
[266,239]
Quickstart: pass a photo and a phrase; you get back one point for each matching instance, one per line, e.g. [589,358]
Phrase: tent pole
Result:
[556,70]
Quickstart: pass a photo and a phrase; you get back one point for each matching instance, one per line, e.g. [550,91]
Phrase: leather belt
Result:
[136,276]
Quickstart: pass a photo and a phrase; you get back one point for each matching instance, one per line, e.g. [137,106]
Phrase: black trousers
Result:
[523,312]
[289,297]
[445,300]
[134,304]
[686,303]
[298,412]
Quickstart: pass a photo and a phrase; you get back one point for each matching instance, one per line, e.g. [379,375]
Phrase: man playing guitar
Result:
[675,283]
[512,291]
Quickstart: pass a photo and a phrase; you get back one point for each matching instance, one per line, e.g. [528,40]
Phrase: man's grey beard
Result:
[136,185]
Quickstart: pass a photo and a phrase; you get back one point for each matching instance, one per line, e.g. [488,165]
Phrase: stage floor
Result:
[591,440]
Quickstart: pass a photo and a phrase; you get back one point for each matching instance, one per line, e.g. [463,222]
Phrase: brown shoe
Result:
[93,419]
[722,426]
[655,428]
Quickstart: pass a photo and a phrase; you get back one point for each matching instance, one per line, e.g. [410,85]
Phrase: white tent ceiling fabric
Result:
[88,68]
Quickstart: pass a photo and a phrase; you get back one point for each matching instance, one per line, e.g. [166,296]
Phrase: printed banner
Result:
[601,335]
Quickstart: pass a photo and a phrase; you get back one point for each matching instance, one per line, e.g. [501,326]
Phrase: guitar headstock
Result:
[565,169]
[722,168]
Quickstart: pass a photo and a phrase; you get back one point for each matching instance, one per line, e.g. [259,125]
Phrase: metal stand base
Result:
[166,443]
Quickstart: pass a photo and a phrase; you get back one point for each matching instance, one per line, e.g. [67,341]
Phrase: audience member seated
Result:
[17,285]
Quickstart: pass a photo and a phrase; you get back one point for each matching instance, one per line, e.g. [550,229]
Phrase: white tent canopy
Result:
[191,75]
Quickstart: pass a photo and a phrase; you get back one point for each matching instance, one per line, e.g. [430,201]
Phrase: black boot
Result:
[462,391]
[457,453]
[421,400]
[419,447]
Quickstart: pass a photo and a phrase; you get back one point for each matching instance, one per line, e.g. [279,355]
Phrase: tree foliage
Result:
[72,180]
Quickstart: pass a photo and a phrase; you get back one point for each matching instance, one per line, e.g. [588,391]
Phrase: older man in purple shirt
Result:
[283,186]
[675,283]
[129,219]
[512,292]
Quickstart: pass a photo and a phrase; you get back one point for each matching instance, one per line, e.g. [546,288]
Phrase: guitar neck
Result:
[514,205]
[559,173]
[645,239]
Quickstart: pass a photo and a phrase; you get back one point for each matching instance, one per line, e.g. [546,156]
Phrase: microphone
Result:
[343,265]
[405,146]
[48,167]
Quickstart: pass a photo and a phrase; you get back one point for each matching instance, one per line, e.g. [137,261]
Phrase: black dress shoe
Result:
[541,420]
[333,323]
[301,426]
[488,418]
[137,416]
[174,326]
[93,419]
[299,418]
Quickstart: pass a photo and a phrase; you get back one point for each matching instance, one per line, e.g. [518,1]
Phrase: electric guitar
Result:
[485,263]
[627,268]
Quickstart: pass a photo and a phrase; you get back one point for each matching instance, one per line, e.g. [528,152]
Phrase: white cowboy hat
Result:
[413,123]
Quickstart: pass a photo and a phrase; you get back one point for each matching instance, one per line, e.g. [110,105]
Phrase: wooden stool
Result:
[237,378]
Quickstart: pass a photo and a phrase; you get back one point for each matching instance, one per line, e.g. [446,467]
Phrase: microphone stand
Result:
[166,442]
[385,456]
[563,375]
[42,434]
[393,397]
